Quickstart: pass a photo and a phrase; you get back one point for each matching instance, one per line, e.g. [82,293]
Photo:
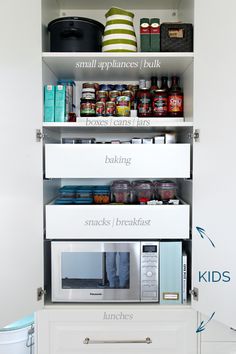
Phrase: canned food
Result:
[110,108]
[127,93]
[123,106]
[120,87]
[102,95]
[87,107]
[100,108]
[88,85]
[105,87]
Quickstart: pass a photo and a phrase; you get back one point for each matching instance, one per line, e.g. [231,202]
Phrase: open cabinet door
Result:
[214,158]
[21,251]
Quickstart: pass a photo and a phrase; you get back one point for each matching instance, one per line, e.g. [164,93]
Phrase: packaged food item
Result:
[175,99]
[67,192]
[88,85]
[106,87]
[123,106]
[155,34]
[121,191]
[120,87]
[71,117]
[114,94]
[100,108]
[69,96]
[101,195]
[87,107]
[136,141]
[143,189]
[170,138]
[60,103]
[69,140]
[165,190]
[84,192]
[147,140]
[49,98]
[159,139]
[160,103]
[110,109]
[153,84]
[86,141]
[88,93]
[145,35]
[102,95]
[144,102]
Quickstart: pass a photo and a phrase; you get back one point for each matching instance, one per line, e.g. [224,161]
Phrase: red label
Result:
[175,103]
[144,30]
[155,30]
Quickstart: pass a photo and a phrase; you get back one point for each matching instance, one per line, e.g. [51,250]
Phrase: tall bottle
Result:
[153,84]
[175,99]
[144,99]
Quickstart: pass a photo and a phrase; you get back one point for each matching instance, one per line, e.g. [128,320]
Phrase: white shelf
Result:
[117,221]
[118,66]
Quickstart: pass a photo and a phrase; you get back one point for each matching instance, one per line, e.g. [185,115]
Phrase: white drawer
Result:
[117,161]
[122,221]
[217,332]
[218,348]
[170,332]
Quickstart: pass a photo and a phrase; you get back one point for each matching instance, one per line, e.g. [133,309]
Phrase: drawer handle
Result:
[116,341]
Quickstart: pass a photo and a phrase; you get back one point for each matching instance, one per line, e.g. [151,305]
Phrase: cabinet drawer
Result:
[117,161]
[169,332]
[217,332]
[122,221]
[218,348]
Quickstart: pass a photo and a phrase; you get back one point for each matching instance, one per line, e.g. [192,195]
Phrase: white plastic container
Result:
[17,338]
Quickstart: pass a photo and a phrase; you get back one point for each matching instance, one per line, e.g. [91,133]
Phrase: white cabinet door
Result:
[20,159]
[214,268]
[218,348]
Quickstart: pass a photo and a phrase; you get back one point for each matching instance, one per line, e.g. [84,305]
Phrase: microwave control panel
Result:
[149,271]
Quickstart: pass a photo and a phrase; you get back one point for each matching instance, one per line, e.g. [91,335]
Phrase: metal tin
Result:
[114,94]
[123,106]
[120,87]
[100,108]
[110,108]
[102,95]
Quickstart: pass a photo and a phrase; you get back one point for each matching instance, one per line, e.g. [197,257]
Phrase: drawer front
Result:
[117,161]
[218,348]
[106,221]
[217,332]
[169,333]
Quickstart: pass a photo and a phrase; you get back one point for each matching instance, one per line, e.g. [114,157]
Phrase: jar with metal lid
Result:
[102,95]
[114,94]
[88,85]
[87,107]
[121,191]
[88,93]
[165,189]
[160,103]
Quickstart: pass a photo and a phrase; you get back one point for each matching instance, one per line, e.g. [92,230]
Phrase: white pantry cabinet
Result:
[209,74]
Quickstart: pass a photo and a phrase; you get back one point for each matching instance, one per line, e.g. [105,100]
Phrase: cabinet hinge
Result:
[195,135]
[194,293]
[40,293]
[39,135]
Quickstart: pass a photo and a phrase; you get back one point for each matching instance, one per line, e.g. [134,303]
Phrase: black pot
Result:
[75,34]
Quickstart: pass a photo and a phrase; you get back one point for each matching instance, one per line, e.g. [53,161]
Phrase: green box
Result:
[60,103]
[49,102]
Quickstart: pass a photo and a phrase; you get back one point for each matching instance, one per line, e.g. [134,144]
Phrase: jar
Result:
[144,103]
[88,85]
[100,109]
[123,106]
[120,87]
[110,109]
[143,191]
[88,93]
[160,103]
[121,192]
[166,190]
[87,107]
[71,117]
[114,94]
[102,95]
[106,87]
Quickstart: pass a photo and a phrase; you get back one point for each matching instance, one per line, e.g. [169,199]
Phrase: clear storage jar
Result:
[143,191]
[121,192]
[166,190]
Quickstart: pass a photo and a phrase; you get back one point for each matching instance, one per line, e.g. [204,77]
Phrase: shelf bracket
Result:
[195,294]
[40,293]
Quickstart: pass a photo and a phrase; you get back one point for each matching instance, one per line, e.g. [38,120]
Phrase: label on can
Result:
[110,108]
[100,108]
[123,106]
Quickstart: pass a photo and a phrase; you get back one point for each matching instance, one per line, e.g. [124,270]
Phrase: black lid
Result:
[74,18]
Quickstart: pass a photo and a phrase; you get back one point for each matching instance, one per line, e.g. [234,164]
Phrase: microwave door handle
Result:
[115,341]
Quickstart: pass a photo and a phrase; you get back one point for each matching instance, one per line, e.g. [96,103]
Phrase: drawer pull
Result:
[117,341]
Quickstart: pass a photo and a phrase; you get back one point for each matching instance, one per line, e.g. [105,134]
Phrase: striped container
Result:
[119,35]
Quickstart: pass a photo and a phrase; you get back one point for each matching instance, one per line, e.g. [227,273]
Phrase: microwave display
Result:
[149,249]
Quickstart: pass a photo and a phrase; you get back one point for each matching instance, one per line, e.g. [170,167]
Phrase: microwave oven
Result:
[105,271]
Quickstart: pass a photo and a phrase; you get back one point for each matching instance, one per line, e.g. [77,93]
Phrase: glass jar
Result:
[87,107]
[144,103]
[160,103]
[121,192]
[143,191]
[166,190]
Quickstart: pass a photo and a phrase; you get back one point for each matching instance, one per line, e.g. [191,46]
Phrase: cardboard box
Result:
[49,101]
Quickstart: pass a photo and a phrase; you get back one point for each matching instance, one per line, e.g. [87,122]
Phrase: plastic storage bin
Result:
[18,337]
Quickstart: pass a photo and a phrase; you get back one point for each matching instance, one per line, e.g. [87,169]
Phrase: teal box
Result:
[60,103]
[170,272]
[49,103]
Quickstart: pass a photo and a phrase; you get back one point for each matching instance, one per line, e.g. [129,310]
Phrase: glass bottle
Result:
[153,84]
[175,99]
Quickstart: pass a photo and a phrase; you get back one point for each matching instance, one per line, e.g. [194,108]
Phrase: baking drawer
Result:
[218,348]
[117,161]
[169,332]
[120,221]
[217,332]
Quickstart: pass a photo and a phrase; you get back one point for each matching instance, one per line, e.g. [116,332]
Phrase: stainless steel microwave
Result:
[105,271]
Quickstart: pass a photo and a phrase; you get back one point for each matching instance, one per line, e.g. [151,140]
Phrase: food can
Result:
[100,108]
[110,108]
[114,94]
[102,95]
[123,106]
[120,87]
[106,87]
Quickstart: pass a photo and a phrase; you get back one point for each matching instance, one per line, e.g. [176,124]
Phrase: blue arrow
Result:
[203,325]
[203,234]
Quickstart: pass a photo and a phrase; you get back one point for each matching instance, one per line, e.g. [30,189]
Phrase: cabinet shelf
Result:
[104,66]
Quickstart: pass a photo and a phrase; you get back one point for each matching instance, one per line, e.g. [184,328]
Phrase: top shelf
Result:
[118,66]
